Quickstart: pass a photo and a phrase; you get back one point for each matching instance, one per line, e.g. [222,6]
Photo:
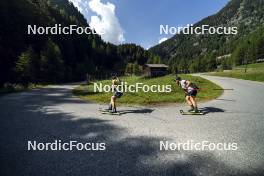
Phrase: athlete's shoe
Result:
[113,110]
[195,110]
[191,110]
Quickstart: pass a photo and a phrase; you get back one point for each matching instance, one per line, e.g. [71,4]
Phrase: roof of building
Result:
[260,57]
[157,65]
[223,56]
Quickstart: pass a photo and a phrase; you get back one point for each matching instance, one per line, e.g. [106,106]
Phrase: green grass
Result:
[141,98]
[18,88]
[255,72]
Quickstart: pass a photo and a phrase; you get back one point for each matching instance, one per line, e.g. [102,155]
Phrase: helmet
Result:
[178,79]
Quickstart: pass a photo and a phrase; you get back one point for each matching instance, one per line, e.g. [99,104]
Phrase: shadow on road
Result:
[23,119]
[210,109]
[137,111]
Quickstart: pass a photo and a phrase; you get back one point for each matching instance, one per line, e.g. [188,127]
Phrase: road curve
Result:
[133,139]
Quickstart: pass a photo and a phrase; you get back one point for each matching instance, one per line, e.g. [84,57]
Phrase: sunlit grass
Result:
[254,72]
[86,92]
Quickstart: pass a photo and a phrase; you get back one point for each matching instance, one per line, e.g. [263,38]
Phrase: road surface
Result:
[132,140]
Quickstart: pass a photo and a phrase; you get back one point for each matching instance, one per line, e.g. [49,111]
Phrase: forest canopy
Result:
[56,58]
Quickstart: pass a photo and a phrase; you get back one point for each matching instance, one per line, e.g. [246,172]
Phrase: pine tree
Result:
[52,66]
[24,67]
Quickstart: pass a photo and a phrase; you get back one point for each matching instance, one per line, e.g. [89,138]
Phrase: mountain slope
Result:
[67,52]
[247,15]
[55,58]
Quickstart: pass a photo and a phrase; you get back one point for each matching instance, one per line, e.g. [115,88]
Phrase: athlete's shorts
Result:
[192,93]
[118,94]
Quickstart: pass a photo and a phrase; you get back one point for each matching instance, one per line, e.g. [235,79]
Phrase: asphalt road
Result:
[133,139]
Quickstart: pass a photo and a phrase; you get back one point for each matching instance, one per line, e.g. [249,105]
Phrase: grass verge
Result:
[255,72]
[207,91]
[18,88]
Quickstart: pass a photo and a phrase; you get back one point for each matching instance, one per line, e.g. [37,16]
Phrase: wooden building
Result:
[260,59]
[155,70]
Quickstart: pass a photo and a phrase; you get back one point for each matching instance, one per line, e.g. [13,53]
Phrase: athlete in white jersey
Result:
[190,93]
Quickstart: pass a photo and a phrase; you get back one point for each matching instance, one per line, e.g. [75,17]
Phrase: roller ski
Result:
[108,111]
[191,112]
